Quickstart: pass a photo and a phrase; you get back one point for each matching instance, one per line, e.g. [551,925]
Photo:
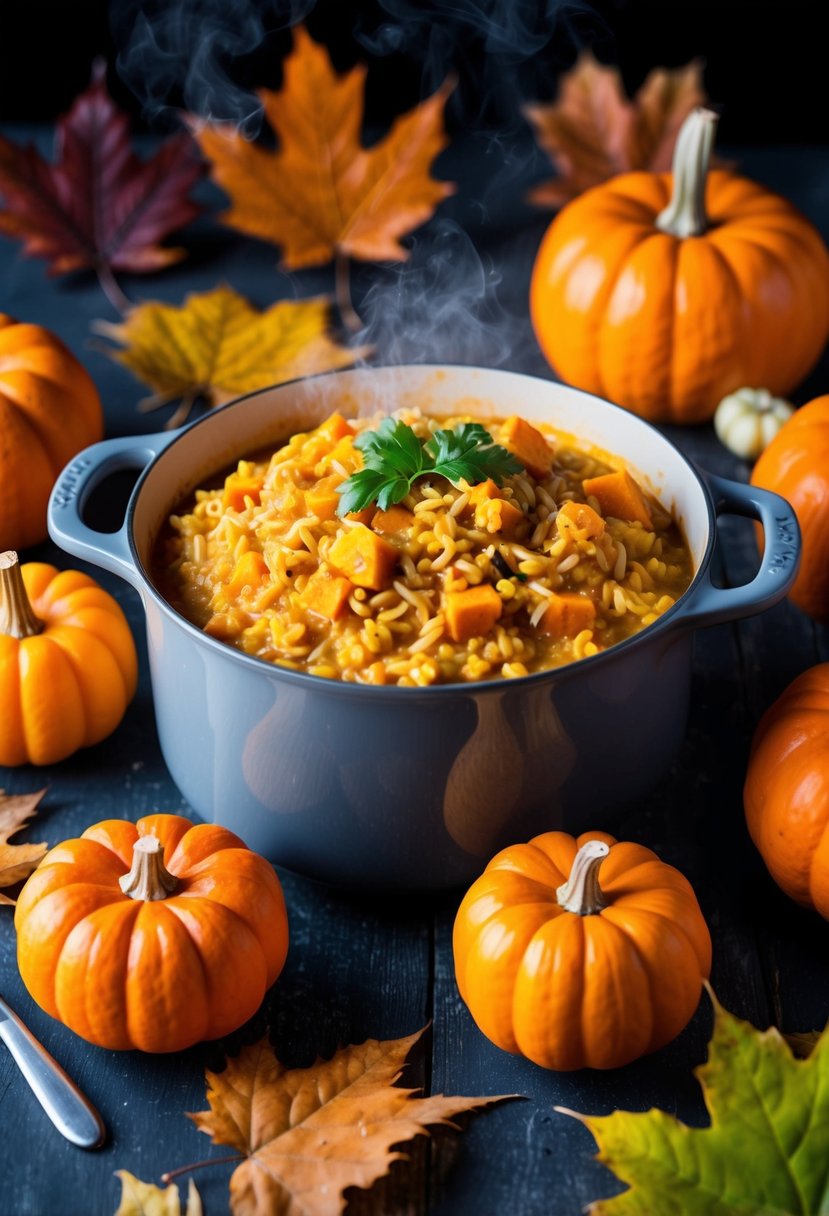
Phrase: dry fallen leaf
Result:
[17,861]
[144,1199]
[98,205]
[321,193]
[592,131]
[218,346]
[309,1133]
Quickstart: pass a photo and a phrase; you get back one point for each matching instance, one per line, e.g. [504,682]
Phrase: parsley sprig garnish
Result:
[394,457]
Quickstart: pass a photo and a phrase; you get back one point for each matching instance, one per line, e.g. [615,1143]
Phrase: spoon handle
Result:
[71,1112]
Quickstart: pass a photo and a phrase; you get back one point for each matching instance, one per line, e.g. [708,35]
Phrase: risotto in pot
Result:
[418,551]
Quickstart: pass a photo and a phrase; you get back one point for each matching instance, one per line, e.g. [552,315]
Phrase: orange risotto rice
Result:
[454,584]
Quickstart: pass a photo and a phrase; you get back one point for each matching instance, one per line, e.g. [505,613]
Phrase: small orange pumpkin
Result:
[796,465]
[665,291]
[580,953]
[151,935]
[786,794]
[68,667]
[49,410]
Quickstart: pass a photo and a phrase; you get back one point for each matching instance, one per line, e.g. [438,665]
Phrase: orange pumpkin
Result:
[796,465]
[786,794]
[49,410]
[68,667]
[665,291]
[580,952]
[153,935]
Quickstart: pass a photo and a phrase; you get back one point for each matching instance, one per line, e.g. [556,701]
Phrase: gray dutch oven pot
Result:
[407,787]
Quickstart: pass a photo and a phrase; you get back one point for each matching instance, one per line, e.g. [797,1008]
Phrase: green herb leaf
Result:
[469,452]
[394,457]
[360,489]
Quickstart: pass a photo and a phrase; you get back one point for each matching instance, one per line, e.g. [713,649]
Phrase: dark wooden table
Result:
[362,968]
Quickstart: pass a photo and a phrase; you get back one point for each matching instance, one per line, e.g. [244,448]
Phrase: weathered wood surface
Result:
[368,968]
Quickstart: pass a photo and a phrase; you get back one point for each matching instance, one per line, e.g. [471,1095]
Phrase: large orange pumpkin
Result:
[153,935]
[49,410]
[665,291]
[580,952]
[786,794]
[68,667]
[796,465]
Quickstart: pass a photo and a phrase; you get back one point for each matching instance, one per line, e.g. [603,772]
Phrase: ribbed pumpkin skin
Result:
[69,686]
[570,991]
[786,794]
[153,975]
[49,410]
[796,465]
[667,326]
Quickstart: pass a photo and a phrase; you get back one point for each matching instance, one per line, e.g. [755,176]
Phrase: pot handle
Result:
[778,565]
[73,487]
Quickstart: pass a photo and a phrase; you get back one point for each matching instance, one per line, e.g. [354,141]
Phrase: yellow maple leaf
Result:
[218,346]
[145,1199]
[321,193]
[306,1134]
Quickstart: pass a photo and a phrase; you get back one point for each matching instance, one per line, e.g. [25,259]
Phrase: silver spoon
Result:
[71,1112]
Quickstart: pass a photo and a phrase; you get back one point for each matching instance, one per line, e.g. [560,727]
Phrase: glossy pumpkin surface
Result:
[796,466]
[67,685]
[786,794]
[571,990]
[49,410]
[156,974]
[665,324]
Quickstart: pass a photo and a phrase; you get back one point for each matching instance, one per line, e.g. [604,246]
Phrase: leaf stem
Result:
[349,316]
[111,290]
[182,411]
[199,1165]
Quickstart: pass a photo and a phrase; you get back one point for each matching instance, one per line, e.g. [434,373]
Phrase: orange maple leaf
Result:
[309,1133]
[592,131]
[321,193]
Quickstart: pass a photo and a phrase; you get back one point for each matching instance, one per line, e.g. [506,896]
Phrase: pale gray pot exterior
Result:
[388,788]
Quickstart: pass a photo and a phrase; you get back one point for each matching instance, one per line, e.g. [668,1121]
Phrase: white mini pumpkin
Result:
[746,421]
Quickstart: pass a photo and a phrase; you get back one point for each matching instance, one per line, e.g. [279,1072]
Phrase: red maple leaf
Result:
[97,204]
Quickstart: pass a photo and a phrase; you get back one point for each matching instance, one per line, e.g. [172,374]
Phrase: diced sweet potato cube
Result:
[335,427]
[363,517]
[344,454]
[472,613]
[581,518]
[326,594]
[528,445]
[396,519]
[483,492]
[249,571]
[364,557]
[620,496]
[322,498]
[239,486]
[567,615]
[501,516]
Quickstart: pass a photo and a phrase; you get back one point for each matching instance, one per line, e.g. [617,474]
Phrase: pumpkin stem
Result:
[685,214]
[148,878]
[17,617]
[581,893]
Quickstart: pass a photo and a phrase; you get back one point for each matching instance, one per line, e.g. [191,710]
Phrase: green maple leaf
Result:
[766,1152]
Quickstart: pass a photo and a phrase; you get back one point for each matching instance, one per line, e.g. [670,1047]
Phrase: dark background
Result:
[765,63]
